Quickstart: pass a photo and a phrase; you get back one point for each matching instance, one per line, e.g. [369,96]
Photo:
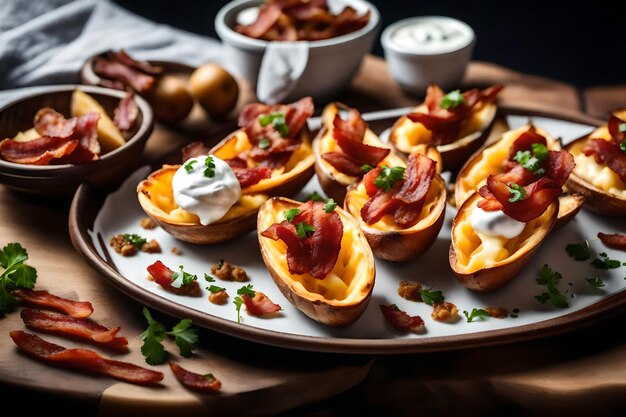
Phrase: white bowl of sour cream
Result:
[427,50]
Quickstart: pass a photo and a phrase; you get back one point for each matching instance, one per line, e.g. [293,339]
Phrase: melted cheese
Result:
[406,135]
[598,175]
[160,196]
[301,159]
[431,210]
[349,278]
[490,161]
[475,251]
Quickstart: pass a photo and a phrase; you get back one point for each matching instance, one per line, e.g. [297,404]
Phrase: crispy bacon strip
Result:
[143,66]
[260,304]
[613,240]
[445,124]
[401,320]
[83,360]
[317,253]
[38,151]
[126,113]
[86,133]
[194,381]
[49,122]
[406,199]
[525,141]
[63,325]
[76,309]
[606,152]
[349,135]
[280,148]
[129,76]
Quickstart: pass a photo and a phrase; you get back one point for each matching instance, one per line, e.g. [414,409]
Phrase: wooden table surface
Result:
[580,373]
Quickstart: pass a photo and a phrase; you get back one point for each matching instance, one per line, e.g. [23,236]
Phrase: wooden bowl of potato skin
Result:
[62,180]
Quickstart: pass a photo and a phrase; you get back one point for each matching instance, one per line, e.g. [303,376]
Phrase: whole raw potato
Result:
[170,99]
[215,89]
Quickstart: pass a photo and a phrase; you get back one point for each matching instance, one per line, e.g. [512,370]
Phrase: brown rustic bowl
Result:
[62,180]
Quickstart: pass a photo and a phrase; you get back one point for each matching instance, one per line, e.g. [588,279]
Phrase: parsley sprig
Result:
[182,278]
[477,313]
[532,160]
[185,336]
[366,167]
[135,240]
[264,143]
[278,120]
[552,294]
[16,274]
[578,251]
[595,282]
[452,100]
[303,229]
[330,206]
[238,301]
[388,176]
[213,288]
[604,262]
[290,214]
[430,297]
[517,192]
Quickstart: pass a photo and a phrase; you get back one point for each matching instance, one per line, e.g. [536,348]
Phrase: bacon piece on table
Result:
[83,360]
[317,253]
[401,320]
[194,381]
[614,240]
[63,325]
[77,309]
[260,304]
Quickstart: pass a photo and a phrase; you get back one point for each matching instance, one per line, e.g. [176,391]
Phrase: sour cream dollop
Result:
[208,197]
[432,35]
[495,224]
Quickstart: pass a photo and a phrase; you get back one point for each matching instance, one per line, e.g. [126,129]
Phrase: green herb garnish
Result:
[210,167]
[208,376]
[264,143]
[330,206]
[290,214]
[595,282]
[185,337]
[278,120]
[214,288]
[532,162]
[303,229]
[208,278]
[314,196]
[189,165]
[604,262]
[238,301]
[578,251]
[366,167]
[388,176]
[477,313]
[430,297]
[16,274]
[540,151]
[452,100]
[515,313]
[622,146]
[182,277]
[518,193]
[551,280]
[135,240]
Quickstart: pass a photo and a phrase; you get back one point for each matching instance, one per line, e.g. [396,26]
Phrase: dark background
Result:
[580,42]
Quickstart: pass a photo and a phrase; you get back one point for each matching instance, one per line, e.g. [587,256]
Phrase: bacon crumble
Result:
[260,304]
[401,320]
[613,240]
[195,381]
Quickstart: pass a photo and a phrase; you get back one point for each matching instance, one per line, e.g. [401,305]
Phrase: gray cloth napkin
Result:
[45,42]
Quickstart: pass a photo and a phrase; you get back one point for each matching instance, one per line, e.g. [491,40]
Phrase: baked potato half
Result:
[156,197]
[386,237]
[484,263]
[471,130]
[490,160]
[341,297]
[604,190]
[333,182]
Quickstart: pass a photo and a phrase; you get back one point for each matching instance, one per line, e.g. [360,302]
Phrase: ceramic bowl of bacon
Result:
[288,50]
[54,140]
